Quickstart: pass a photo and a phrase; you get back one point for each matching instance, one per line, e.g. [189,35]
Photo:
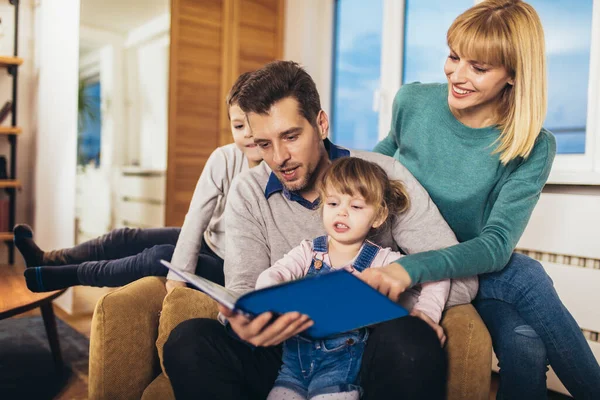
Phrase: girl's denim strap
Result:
[366,256]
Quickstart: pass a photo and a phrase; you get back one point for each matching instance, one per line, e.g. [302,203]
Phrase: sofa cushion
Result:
[180,305]
[159,389]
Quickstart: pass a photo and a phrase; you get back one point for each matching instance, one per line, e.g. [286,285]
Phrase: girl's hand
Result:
[437,328]
[391,280]
[263,330]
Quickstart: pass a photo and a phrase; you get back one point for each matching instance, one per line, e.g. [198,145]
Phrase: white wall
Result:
[308,40]
[55,155]
[147,55]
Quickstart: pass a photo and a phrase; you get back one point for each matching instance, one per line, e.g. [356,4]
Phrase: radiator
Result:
[564,235]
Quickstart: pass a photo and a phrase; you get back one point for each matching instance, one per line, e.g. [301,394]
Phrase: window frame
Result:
[568,169]
[584,169]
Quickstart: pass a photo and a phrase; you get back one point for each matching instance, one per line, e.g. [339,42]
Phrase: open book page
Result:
[217,292]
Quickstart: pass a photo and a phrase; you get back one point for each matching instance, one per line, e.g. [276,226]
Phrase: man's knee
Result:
[187,340]
[407,339]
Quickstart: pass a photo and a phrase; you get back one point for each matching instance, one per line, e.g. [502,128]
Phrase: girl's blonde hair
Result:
[508,33]
[352,176]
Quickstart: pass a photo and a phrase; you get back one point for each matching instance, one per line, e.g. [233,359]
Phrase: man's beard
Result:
[300,185]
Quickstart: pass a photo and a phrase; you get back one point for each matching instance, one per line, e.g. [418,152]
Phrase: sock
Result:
[23,237]
[353,395]
[283,393]
[46,279]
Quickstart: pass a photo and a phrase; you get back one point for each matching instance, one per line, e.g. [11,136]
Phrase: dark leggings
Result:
[403,359]
[125,255]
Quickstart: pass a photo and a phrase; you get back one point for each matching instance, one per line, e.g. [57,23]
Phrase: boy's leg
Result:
[204,362]
[524,284]
[210,265]
[118,243]
[111,273]
[403,360]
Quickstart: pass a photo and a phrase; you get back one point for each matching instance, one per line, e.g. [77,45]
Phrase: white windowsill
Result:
[574,178]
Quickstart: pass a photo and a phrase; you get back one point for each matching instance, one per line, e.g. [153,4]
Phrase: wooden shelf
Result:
[10,183]
[6,236]
[6,61]
[10,130]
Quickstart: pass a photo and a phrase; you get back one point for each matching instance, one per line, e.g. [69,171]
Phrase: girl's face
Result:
[474,88]
[348,219]
[242,135]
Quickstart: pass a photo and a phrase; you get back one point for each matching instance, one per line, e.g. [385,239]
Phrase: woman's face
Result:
[474,88]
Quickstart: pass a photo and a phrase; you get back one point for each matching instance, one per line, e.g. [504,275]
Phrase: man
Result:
[272,208]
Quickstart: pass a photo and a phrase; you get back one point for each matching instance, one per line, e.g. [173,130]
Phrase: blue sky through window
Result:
[568,30]
[356,72]
[567,26]
[88,148]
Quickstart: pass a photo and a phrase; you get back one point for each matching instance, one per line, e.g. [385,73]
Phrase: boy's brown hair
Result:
[352,176]
[234,92]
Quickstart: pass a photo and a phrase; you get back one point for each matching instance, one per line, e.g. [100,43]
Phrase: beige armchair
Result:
[131,324]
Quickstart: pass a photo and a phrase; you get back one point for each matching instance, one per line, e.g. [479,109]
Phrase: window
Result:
[89,124]
[568,30]
[425,49]
[356,76]
[363,91]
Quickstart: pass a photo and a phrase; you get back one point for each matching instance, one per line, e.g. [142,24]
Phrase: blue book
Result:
[337,302]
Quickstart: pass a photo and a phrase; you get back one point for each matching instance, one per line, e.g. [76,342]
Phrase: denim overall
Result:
[314,367]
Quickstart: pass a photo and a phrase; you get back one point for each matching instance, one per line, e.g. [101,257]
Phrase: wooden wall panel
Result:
[255,38]
[194,98]
[212,42]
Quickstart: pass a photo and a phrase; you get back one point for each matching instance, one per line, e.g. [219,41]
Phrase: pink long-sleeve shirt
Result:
[428,298]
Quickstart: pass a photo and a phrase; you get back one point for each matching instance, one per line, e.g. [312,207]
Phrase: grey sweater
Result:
[262,230]
[205,215]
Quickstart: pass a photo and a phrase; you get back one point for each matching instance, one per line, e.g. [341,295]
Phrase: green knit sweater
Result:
[486,204]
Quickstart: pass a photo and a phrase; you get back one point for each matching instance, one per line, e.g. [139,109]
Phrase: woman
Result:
[477,145]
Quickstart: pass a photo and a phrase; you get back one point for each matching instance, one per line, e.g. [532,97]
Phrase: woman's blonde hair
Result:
[508,33]
[352,176]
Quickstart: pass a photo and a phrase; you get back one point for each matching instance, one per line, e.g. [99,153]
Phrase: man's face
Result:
[289,144]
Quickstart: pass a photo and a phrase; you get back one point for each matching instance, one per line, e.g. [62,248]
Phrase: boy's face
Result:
[241,134]
[290,145]
[348,218]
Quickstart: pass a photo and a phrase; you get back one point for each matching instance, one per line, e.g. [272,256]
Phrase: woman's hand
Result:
[262,330]
[170,285]
[391,280]
[436,327]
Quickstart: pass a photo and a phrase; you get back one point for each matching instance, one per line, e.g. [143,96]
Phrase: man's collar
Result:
[274,185]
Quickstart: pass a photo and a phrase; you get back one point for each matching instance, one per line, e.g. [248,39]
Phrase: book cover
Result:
[337,302]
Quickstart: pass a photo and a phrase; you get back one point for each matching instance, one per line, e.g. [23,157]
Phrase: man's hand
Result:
[437,328]
[260,331]
[391,280]
[170,285]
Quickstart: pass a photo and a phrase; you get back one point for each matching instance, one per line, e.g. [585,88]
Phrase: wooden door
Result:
[212,42]
[254,37]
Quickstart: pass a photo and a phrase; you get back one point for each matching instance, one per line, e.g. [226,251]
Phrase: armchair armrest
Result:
[469,349]
[123,356]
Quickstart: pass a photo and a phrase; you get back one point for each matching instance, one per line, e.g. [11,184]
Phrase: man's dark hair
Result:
[276,81]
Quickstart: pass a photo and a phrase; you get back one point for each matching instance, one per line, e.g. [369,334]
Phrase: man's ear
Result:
[381,218]
[323,124]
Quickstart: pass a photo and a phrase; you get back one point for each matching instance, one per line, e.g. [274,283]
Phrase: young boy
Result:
[125,255]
